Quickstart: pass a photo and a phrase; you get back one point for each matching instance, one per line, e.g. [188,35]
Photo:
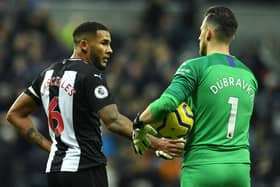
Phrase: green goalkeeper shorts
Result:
[216,175]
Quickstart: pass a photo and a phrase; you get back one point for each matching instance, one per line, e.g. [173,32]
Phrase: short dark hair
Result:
[87,28]
[224,20]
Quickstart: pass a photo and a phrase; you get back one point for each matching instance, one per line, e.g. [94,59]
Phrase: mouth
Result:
[106,59]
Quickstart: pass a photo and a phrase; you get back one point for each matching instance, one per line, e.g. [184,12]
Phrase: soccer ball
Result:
[177,124]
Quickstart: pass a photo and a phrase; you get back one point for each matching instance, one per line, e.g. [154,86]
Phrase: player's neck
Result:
[218,48]
[80,55]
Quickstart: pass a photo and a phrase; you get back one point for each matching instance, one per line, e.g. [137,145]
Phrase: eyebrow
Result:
[106,40]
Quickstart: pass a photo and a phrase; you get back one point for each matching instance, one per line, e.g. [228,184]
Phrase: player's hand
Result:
[170,148]
[141,142]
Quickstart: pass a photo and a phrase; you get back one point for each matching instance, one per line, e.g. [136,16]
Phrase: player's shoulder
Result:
[195,60]
[78,65]
[242,64]
[245,68]
[81,67]
[191,65]
[194,63]
[48,67]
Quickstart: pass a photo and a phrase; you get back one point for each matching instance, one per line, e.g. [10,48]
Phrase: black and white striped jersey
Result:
[71,92]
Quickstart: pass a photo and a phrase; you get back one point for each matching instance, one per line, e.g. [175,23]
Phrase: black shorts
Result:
[91,177]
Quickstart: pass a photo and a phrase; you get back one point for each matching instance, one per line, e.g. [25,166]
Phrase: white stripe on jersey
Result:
[45,92]
[72,157]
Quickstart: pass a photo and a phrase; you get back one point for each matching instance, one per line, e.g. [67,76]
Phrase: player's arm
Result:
[181,87]
[116,122]
[19,116]
[158,109]
[121,125]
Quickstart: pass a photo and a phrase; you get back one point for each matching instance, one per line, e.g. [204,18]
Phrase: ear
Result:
[209,34]
[84,46]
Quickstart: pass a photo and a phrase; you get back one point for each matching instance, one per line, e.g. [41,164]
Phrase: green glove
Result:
[164,155]
[141,142]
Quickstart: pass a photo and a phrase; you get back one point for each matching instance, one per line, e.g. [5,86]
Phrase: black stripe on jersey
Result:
[61,147]
[59,155]
[37,100]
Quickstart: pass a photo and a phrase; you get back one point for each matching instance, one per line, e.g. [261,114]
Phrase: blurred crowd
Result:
[141,67]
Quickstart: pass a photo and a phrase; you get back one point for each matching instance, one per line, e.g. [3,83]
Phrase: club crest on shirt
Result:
[101,92]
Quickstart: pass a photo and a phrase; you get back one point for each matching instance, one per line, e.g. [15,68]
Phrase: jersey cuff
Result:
[162,106]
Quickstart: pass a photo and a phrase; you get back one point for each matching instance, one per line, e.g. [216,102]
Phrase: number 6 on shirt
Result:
[55,115]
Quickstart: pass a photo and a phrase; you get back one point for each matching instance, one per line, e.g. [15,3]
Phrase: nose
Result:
[110,50]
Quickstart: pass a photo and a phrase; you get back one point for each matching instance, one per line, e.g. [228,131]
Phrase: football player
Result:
[220,89]
[75,97]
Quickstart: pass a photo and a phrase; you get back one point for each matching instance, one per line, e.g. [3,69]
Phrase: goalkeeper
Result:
[220,90]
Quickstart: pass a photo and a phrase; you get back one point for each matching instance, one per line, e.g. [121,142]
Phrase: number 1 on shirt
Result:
[233,101]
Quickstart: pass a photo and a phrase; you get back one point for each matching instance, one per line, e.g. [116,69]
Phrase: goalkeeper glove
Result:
[141,142]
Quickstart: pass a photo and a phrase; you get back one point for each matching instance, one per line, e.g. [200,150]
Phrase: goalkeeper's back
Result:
[221,91]
[222,104]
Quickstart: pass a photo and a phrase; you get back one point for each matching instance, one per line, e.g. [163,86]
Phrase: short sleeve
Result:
[97,92]
[34,90]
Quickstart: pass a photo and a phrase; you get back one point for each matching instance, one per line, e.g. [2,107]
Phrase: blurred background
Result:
[150,39]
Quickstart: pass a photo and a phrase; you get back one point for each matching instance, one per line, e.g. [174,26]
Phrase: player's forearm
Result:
[37,138]
[159,108]
[146,116]
[26,128]
[122,126]
[115,122]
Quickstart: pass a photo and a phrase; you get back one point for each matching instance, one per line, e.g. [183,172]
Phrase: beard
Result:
[203,49]
[97,62]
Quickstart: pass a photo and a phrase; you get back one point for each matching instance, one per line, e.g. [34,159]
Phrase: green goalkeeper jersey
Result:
[220,90]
